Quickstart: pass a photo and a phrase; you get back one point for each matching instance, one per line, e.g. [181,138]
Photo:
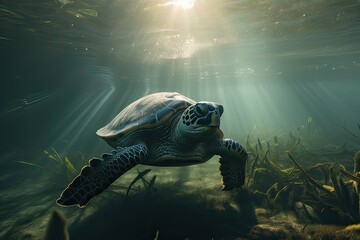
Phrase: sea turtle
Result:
[160,129]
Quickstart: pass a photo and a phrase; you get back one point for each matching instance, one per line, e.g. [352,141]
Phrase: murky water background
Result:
[69,66]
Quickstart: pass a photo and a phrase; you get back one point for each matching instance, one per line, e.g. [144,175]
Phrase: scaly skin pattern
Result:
[232,163]
[100,173]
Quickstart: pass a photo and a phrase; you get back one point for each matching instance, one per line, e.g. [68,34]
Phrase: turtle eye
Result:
[200,110]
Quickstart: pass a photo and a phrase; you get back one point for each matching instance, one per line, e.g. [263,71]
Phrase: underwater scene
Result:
[180,119]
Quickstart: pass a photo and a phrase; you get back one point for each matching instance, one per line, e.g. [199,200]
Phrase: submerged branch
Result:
[349,175]
[310,179]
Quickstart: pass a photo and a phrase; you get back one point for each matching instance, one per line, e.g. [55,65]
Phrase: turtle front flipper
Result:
[232,172]
[232,163]
[100,173]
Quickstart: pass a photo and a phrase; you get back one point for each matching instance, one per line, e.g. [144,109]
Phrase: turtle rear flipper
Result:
[100,173]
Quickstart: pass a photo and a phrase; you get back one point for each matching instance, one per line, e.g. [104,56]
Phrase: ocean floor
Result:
[293,191]
[173,210]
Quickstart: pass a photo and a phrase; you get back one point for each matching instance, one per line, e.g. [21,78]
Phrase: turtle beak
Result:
[221,109]
[215,118]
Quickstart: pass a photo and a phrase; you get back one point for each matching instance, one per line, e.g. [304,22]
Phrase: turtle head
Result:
[201,119]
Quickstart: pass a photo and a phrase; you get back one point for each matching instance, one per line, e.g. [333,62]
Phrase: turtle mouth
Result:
[213,125]
[202,128]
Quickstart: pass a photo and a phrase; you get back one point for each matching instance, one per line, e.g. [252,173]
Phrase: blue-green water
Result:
[69,66]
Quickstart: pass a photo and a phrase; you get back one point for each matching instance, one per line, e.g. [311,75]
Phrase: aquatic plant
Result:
[309,121]
[339,201]
[268,180]
[63,162]
[324,196]
[148,185]
[60,164]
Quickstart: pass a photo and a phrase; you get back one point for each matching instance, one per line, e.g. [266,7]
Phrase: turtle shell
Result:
[148,112]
